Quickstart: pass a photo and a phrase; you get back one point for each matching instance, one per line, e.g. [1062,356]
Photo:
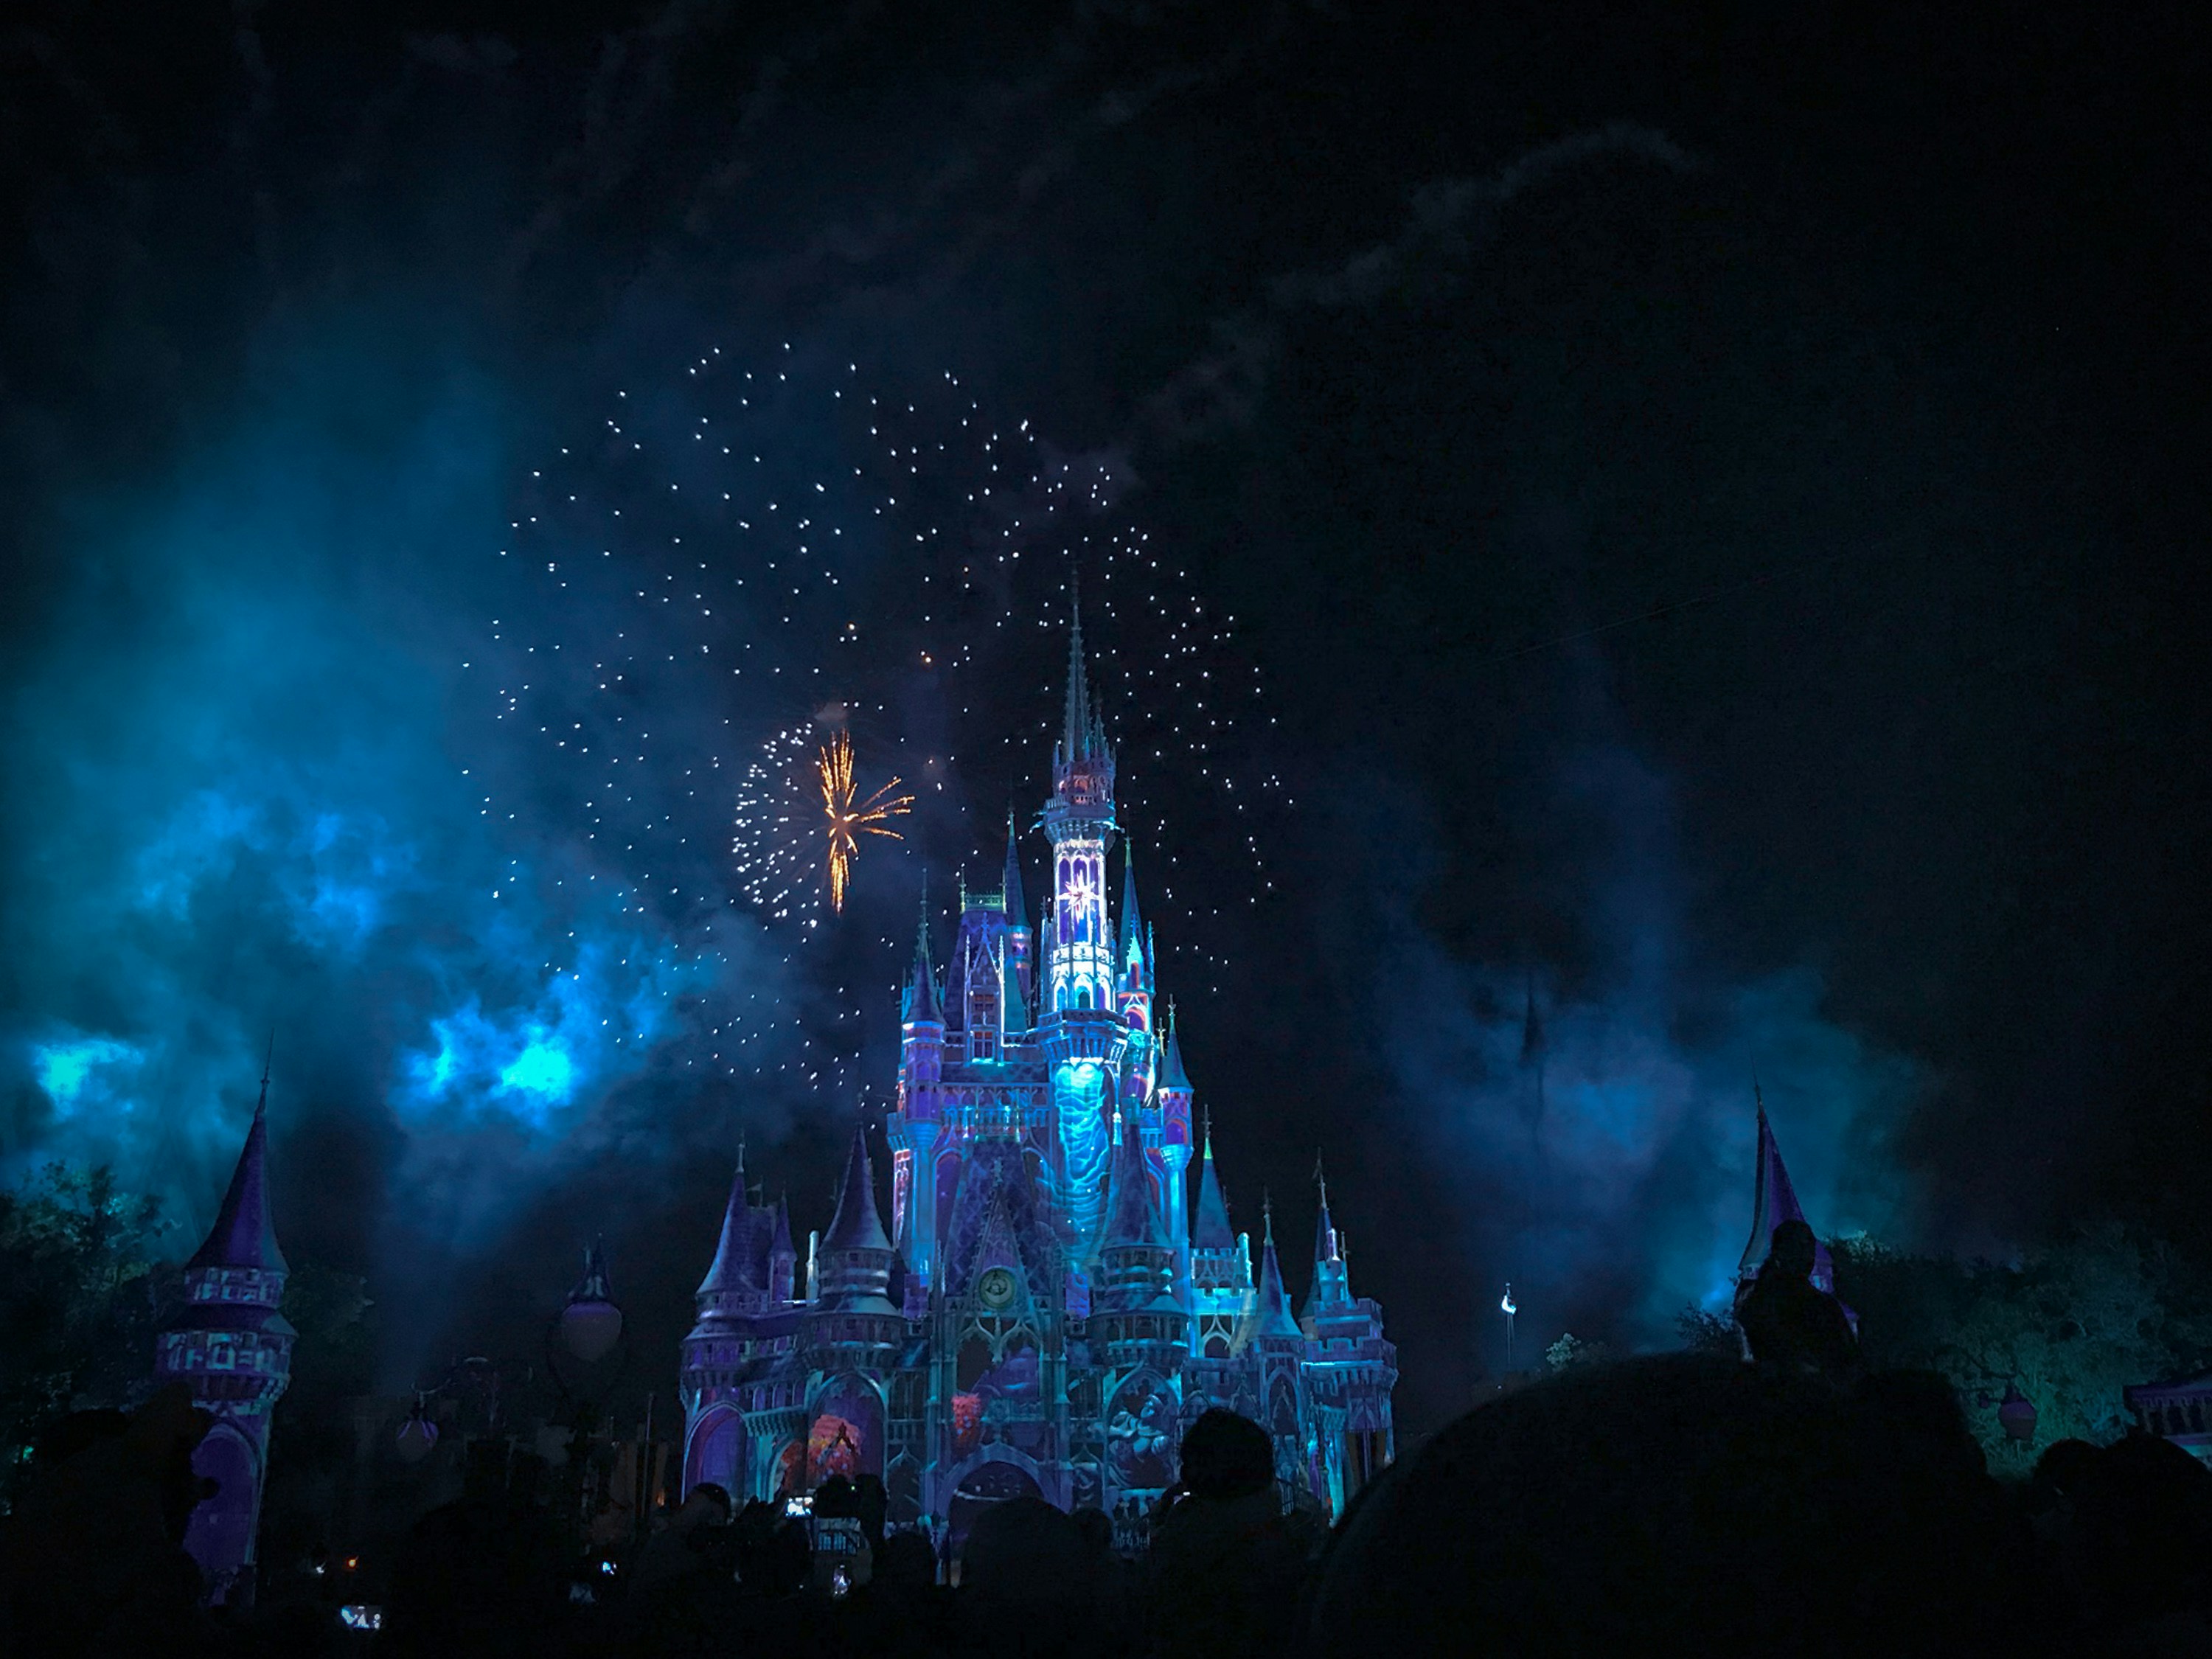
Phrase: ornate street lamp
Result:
[590,1324]
[418,1434]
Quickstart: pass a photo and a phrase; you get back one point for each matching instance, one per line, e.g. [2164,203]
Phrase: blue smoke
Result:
[243,799]
[1603,1149]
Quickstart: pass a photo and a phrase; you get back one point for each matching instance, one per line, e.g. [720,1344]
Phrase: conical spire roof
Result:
[1133,1213]
[1325,1246]
[1018,910]
[922,1002]
[1081,735]
[244,1232]
[857,1226]
[1211,1230]
[1274,1309]
[781,1244]
[1172,1075]
[731,1268]
[1133,921]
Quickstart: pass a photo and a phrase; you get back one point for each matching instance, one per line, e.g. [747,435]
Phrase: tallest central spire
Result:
[1082,735]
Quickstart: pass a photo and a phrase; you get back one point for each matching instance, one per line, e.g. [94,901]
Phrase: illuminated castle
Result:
[231,1345]
[1048,1309]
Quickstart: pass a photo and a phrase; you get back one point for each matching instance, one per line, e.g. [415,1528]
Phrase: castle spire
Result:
[857,1225]
[1275,1310]
[1211,1230]
[921,998]
[1080,736]
[244,1231]
[1133,922]
[731,1271]
[1326,1245]
[1132,1214]
[1018,910]
[1172,1075]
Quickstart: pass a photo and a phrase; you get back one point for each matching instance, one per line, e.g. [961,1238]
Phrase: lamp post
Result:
[1506,1306]
[589,1326]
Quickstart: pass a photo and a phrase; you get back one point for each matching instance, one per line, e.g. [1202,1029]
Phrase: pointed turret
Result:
[731,1277]
[1082,736]
[1136,1262]
[1210,1228]
[857,1225]
[1017,902]
[1273,1316]
[1774,1201]
[1325,1248]
[1172,1075]
[1133,921]
[923,1005]
[244,1232]
[782,1256]
[853,1259]
[1133,1210]
[1331,1279]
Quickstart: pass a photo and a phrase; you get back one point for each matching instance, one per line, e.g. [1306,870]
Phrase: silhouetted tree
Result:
[78,1283]
[2071,1324]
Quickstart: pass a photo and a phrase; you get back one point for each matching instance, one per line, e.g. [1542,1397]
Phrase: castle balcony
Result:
[1074,1035]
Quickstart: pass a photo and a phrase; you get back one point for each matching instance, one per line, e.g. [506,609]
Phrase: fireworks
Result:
[702,589]
[849,818]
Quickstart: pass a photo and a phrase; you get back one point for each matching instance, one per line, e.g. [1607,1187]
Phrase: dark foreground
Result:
[1675,1505]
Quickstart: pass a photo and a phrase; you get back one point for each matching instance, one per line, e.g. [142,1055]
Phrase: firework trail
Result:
[848,817]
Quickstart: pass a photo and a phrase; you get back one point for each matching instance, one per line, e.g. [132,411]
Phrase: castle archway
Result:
[717,1452]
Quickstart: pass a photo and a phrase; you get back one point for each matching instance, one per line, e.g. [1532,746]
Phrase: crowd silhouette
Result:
[1686,1504]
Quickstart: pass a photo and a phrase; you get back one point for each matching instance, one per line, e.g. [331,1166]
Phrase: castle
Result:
[1048,1308]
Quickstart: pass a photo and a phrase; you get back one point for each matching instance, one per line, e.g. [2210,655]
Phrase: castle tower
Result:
[1351,1370]
[855,1271]
[232,1347]
[914,1128]
[1079,821]
[782,1260]
[1221,1272]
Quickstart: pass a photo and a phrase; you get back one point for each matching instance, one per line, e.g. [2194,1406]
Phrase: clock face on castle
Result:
[995,1289]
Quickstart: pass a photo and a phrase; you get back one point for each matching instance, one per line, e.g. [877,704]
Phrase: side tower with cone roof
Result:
[231,1344]
[1350,1371]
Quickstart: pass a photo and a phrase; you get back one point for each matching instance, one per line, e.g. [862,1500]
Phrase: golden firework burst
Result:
[848,816]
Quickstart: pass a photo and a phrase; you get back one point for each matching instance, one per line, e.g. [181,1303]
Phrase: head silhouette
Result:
[1791,1250]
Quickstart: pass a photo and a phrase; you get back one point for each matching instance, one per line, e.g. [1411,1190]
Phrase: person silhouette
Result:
[1789,1323]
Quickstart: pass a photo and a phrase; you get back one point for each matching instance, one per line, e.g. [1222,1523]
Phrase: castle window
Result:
[981,1042]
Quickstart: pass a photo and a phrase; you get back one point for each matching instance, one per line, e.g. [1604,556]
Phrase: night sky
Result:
[1641,547]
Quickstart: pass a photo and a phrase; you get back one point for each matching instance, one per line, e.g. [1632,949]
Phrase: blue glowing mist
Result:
[1601,1150]
[237,804]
